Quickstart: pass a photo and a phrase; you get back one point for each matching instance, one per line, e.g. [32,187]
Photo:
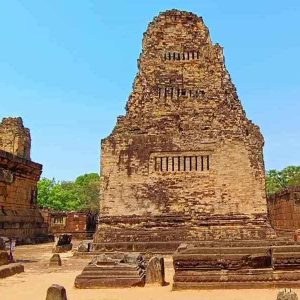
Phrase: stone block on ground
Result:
[2,244]
[4,259]
[84,246]
[63,243]
[55,261]
[116,270]
[56,292]
[62,248]
[155,271]
[236,266]
[287,295]
[11,269]
[64,239]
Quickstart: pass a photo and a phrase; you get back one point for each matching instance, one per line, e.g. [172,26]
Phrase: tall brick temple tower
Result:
[184,163]
[20,217]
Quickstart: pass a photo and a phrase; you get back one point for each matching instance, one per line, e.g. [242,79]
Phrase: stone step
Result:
[88,283]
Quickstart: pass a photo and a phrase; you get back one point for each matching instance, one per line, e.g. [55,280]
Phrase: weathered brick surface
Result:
[284,210]
[80,224]
[184,163]
[117,270]
[236,266]
[15,138]
[19,216]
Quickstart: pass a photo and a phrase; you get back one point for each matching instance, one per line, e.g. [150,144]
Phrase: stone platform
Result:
[239,265]
[11,269]
[114,271]
[164,234]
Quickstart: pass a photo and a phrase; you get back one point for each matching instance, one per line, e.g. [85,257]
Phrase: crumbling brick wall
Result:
[284,210]
[184,162]
[15,138]
[19,216]
[74,223]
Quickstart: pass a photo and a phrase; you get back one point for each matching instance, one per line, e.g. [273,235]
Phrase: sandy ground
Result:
[34,282]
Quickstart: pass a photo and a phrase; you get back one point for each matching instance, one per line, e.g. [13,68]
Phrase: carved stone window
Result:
[188,55]
[175,92]
[182,163]
[58,220]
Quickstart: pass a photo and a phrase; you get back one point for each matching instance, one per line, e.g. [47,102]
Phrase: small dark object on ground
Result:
[56,292]
[55,261]
[85,246]
[63,243]
[287,294]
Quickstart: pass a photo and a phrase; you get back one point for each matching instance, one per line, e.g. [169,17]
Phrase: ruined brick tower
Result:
[19,216]
[184,163]
[15,138]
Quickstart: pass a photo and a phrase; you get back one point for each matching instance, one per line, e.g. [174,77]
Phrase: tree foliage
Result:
[79,195]
[277,181]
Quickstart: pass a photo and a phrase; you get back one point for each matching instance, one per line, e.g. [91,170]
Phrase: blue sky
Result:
[67,67]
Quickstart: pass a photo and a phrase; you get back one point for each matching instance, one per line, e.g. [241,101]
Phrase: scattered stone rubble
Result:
[7,268]
[115,270]
[287,295]
[85,246]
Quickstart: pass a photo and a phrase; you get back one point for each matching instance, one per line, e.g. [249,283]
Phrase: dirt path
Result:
[33,284]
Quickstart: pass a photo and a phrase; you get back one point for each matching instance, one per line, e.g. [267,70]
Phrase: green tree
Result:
[279,180]
[79,195]
[44,190]
[88,187]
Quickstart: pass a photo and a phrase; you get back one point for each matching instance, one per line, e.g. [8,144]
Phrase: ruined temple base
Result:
[279,281]
[22,286]
[164,233]
[27,226]
[114,271]
[237,267]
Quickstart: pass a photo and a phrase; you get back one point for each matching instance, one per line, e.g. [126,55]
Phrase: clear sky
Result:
[67,67]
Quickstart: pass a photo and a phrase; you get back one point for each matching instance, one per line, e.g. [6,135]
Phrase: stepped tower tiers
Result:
[20,217]
[184,163]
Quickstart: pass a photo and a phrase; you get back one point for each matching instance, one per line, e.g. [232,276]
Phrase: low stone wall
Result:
[76,223]
[284,211]
[237,266]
